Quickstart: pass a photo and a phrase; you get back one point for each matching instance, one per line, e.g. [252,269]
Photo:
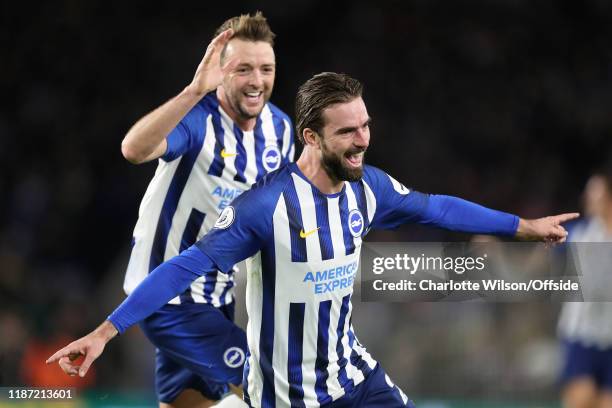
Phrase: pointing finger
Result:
[65,352]
[559,219]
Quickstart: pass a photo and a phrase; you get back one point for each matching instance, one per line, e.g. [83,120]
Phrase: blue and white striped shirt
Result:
[303,250]
[208,163]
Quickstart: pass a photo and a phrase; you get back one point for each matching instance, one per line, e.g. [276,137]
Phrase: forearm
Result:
[457,214]
[144,141]
[163,284]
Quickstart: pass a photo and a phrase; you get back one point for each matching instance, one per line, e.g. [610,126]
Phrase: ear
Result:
[310,137]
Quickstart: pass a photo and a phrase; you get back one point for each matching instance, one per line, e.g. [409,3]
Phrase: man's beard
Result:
[335,169]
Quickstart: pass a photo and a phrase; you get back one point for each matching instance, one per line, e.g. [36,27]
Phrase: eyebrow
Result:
[350,129]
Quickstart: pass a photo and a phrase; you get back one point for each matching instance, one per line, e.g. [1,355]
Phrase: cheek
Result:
[269,82]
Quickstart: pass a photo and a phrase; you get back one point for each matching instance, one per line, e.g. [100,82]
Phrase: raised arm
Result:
[146,140]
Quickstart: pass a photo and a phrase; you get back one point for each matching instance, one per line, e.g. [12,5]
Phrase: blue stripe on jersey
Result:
[209,285]
[325,241]
[260,144]
[240,162]
[322,347]
[279,128]
[228,286]
[345,382]
[194,224]
[190,235]
[245,379]
[266,335]
[349,244]
[218,164]
[356,359]
[294,214]
[294,356]
[362,202]
[173,195]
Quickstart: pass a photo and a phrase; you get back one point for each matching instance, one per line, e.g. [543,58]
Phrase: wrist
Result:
[524,229]
[106,330]
[193,91]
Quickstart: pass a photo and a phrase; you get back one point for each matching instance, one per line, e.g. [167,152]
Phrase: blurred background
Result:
[503,102]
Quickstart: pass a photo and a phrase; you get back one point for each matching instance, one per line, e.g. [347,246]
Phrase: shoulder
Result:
[378,179]
[275,111]
[208,104]
[265,193]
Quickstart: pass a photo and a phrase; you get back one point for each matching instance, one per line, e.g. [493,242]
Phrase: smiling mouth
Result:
[354,159]
[253,97]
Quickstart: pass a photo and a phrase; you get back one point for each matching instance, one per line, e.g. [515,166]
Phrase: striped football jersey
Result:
[208,163]
[303,250]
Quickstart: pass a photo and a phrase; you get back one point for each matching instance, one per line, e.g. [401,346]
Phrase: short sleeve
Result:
[186,134]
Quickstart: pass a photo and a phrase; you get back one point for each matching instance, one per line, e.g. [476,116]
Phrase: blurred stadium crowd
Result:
[503,102]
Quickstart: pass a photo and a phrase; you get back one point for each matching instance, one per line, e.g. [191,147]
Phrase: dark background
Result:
[503,102]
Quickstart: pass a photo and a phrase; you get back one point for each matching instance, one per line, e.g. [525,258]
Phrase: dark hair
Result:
[319,92]
[249,27]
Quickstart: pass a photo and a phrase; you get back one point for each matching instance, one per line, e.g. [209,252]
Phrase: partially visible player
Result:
[586,327]
[213,141]
[301,229]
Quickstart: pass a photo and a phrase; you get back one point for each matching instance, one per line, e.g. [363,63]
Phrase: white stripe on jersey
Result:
[230,145]
[282,295]
[267,126]
[250,172]
[287,140]
[309,350]
[254,298]
[352,372]
[335,224]
[309,217]
[333,385]
[144,231]
[371,201]
[363,352]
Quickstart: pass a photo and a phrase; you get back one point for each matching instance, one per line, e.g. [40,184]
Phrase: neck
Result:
[245,124]
[310,165]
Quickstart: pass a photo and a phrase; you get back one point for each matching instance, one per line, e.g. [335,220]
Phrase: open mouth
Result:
[354,159]
[253,98]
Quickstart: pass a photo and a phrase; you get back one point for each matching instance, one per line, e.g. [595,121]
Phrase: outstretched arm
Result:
[460,215]
[146,140]
[238,234]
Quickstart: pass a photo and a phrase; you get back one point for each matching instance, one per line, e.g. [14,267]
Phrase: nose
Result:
[362,138]
[256,79]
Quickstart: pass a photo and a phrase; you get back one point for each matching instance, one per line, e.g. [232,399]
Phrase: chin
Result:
[250,112]
[353,174]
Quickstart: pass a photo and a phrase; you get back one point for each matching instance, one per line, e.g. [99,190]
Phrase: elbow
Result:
[131,154]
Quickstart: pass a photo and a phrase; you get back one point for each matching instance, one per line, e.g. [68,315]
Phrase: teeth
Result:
[253,94]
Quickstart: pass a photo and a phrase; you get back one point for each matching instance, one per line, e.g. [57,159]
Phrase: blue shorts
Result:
[582,361]
[198,346]
[376,391]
